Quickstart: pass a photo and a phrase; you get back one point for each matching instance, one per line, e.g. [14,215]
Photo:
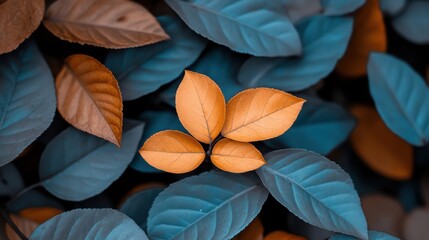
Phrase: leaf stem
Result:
[9,221]
[209,151]
[25,190]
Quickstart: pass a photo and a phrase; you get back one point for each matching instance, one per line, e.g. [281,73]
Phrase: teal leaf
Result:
[413,22]
[392,7]
[401,97]
[212,205]
[373,235]
[320,127]
[27,99]
[256,27]
[76,166]
[137,206]
[325,40]
[315,189]
[38,199]
[11,182]
[94,224]
[298,10]
[155,121]
[341,7]
[143,70]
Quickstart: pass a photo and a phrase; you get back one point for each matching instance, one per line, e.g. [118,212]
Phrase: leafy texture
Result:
[369,35]
[27,99]
[200,106]
[281,235]
[213,205]
[143,70]
[89,97]
[256,27]
[11,181]
[301,9]
[317,120]
[106,224]
[414,224]
[324,41]
[236,157]
[39,214]
[254,231]
[92,165]
[401,97]
[302,182]
[26,226]
[380,148]
[413,22]
[373,235]
[173,151]
[392,7]
[260,114]
[19,19]
[341,7]
[123,23]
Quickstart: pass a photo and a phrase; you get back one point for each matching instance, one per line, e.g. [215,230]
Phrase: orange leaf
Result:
[89,97]
[369,34]
[382,150]
[173,151]
[200,106]
[255,231]
[39,214]
[260,114]
[26,226]
[236,157]
[281,235]
[19,19]
[103,23]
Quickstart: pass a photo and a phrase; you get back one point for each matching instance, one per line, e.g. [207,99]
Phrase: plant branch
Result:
[9,221]
[25,190]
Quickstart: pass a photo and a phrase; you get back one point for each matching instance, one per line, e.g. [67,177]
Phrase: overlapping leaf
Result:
[281,235]
[341,7]
[414,227]
[373,235]
[12,182]
[27,99]
[392,7]
[26,226]
[301,9]
[413,22]
[212,205]
[143,70]
[254,231]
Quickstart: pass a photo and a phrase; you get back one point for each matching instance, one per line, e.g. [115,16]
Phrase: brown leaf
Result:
[18,20]
[254,231]
[382,150]
[236,157]
[200,106]
[103,23]
[416,225]
[173,152]
[260,114]
[39,214]
[89,97]
[26,226]
[281,235]
[369,35]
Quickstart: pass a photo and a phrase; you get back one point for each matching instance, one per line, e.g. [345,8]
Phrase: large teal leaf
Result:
[320,127]
[401,97]
[341,7]
[94,224]
[143,70]
[315,189]
[27,99]
[76,166]
[325,41]
[413,22]
[213,205]
[256,27]
[373,235]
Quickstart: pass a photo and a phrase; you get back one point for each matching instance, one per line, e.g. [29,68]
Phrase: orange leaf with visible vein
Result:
[200,106]
[236,157]
[89,97]
[173,151]
[254,231]
[103,23]
[26,226]
[260,114]
[281,235]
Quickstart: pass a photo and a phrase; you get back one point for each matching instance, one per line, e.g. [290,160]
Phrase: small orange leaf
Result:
[26,226]
[369,34]
[39,214]
[103,23]
[89,97]
[259,114]
[281,235]
[382,150]
[255,231]
[173,151]
[236,157]
[200,106]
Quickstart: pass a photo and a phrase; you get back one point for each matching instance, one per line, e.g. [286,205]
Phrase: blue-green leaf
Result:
[315,189]
[27,99]
[11,181]
[94,224]
[76,166]
[256,27]
[325,40]
[401,97]
[373,235]
[213,205]
[413,22]
[320,127]
[143,70]
[38,198]
[392,7]
[341,7]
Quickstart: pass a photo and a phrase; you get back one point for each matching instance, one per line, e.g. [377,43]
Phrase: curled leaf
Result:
[89,97]
[259,114]
[173,151]
[200,106]
[282,235]
[236,157]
